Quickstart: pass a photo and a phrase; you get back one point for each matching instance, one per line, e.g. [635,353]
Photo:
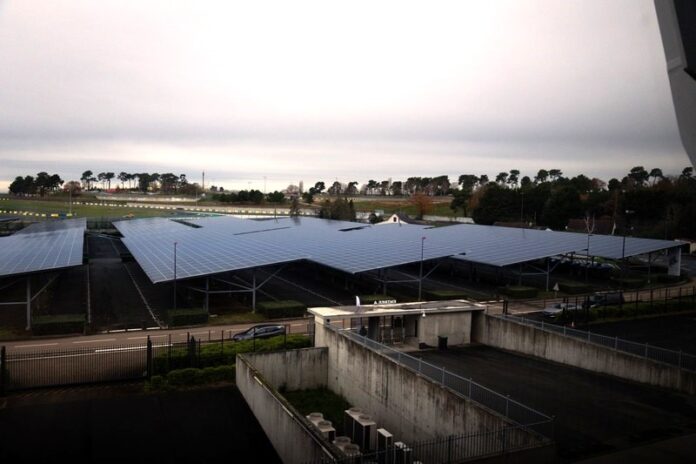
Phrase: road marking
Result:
[145,338]
[34,346]
[98,341]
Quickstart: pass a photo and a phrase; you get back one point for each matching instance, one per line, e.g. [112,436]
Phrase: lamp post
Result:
[175,275]
[420,274]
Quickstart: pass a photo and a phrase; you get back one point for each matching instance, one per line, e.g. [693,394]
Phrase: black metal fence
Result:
[36,368]
[446,450]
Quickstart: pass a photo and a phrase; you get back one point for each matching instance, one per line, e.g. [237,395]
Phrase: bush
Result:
[376,299]
[179,317]
[446,295]
[630,282]
[518,291]
[669,279]
[630,310]
[218,374]
[217,354]
[574,288]
[185,377]
[282,308]
[157,382]
[60,324]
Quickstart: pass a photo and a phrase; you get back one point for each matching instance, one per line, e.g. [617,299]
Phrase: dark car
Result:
[605,299]
[260,331]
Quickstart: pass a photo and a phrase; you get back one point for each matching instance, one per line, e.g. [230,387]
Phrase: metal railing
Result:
[451,449]
[674,358]
[517,412]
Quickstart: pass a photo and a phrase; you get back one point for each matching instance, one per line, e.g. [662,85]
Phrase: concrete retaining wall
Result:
[289,432]
[411,407]
[294,370]
[455,326]
[508,335]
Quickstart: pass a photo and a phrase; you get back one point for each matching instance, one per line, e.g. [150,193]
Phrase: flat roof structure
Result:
[394,309]
[213,245]
[43,246]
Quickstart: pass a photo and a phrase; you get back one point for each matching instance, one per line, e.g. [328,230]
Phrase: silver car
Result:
[557,309]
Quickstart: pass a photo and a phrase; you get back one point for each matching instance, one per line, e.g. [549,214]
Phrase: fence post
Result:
[449,449]
[443,376]
[507,405]
[588,335]
[616,343]
[285,337]
[3,369]
[169,353]
[680,357]
[646,350]
[471,380]
[419,365]
[149,358]
[564,330]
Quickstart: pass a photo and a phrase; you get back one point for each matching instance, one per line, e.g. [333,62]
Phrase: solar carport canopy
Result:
[219,244]
[43,246]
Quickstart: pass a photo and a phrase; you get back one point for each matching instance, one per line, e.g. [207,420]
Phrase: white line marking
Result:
[34,346]
[98,341]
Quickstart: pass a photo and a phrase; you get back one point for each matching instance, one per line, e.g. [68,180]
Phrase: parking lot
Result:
[594,413]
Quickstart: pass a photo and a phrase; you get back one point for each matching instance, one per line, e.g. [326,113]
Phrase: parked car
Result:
[605,299]
[557,309]
[260,331]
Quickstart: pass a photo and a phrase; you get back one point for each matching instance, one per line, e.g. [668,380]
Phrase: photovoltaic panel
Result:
[218,244]
[43,246]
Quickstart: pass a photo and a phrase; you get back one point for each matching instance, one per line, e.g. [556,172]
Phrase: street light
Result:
[420,275]
[175,275]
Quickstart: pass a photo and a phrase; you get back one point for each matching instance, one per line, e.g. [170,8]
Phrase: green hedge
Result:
[643,308]
[189,376]
[669,279]
[375,299]
[216,354]
[179,317]
[574,288]
[518,291]
[59,324]
[630,282]
[282,308]
[446,295]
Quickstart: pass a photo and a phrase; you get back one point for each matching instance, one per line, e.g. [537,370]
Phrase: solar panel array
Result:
[43,246]
[217,244]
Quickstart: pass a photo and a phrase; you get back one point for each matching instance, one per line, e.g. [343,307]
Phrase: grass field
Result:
[63,207]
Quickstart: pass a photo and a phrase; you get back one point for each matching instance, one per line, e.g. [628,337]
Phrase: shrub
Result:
[574,288]
[216,354]
[668,279]
[518,291]
[179,317]
[376,299]
[59,324]
[157,382]
[218,374]
[629,282]
[446,295]
[185,377]
[282,308]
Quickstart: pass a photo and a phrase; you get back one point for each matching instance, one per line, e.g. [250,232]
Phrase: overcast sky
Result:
[323,90]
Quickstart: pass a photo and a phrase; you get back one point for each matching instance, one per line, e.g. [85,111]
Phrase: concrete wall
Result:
[408,405]
[290,434]
[295,369]
[455,326]
[508,335]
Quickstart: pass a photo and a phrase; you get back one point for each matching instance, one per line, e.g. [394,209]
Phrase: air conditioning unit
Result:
[365,432]
[349,418]
[315,417]
[352,452]
[385,442]
[327,430]
[341,442]
[402,453]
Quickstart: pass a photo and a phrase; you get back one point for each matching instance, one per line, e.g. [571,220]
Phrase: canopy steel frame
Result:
[383,277]
[30,298]
[248,288]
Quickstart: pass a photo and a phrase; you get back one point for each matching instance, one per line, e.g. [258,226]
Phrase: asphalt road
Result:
[594,413]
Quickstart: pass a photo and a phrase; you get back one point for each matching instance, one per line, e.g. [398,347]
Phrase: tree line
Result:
[643,202]
[41,184]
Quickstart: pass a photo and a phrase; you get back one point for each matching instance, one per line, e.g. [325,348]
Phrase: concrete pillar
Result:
[674,262]
[373,327]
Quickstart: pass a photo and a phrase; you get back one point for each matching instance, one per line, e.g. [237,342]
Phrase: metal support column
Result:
[253,291]
[548,273]
[28,303]
[207,295]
